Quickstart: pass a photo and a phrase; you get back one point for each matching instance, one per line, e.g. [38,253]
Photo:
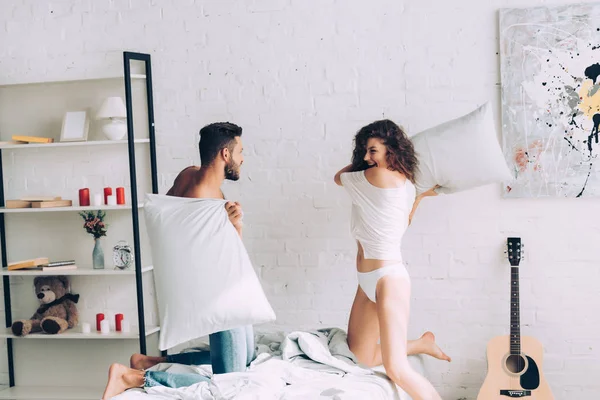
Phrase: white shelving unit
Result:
[80,271]
[26,146]
[4,210]
[50,393]
[87,92]
[74,80]
[76,333]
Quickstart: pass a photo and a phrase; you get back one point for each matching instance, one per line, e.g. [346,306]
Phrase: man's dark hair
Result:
[214,138]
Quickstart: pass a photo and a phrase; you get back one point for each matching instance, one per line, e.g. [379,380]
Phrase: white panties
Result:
[368,280]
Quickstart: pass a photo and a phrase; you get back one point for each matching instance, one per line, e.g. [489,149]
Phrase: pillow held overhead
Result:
[460,154]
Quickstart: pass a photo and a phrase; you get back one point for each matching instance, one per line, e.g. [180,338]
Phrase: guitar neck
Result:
[515,317]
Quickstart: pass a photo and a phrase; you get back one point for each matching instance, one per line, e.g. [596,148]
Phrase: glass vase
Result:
[98,255]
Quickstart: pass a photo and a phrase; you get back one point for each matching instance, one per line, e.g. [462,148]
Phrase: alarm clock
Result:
[122,255]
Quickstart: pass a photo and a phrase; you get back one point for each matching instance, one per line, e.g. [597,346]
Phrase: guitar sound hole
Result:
[515,364]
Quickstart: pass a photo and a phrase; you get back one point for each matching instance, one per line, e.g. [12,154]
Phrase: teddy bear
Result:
[57,311]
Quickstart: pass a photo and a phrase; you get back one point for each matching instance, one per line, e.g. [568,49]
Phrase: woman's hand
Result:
[430,192]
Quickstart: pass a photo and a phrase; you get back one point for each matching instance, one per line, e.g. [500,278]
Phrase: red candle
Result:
[99,318]
[84,197]
[120,195]
[107,192]
[118,319]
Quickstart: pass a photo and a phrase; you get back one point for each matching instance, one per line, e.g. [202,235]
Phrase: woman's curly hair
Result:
[400,151]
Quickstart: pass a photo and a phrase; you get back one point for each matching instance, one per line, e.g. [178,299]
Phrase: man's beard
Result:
[232,171]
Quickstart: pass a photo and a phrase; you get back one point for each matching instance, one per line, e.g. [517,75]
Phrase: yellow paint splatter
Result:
[589,104]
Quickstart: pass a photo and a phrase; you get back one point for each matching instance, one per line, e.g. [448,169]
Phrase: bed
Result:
[300,365]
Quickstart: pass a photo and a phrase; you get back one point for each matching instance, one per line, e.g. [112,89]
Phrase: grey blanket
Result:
[325,346]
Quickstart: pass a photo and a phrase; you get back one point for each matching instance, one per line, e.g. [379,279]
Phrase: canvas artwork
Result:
[550,72]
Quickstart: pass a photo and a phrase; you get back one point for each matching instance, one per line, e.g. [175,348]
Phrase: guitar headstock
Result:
[514,251]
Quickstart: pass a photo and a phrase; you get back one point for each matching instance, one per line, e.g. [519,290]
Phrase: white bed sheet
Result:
[274,376]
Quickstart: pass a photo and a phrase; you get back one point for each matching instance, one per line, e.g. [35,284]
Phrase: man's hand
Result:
[430,192]
[235,213]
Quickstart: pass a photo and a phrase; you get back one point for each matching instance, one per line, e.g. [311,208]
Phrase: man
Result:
[230,351]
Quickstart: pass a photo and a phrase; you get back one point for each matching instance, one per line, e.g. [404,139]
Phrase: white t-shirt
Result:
[379,215]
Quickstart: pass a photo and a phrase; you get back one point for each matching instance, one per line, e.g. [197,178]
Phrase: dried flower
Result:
[94,223]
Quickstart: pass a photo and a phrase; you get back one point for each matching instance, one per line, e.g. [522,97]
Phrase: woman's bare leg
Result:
[363,334]
[363,329]
[393,306]
[426,345]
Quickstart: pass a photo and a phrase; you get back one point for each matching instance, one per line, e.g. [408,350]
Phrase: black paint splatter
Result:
[567,71]
[586,181]
[573,122]
[594,134]
[571,144]
[593,71]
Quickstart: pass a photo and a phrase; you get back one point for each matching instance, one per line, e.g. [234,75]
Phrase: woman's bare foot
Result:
[428,346]
[140,361]
[121,378]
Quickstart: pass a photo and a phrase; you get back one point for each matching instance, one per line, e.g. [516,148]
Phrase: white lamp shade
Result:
[113,107]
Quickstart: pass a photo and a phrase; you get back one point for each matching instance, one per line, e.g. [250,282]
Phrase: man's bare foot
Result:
[121,378]
[428,346]
[140,361]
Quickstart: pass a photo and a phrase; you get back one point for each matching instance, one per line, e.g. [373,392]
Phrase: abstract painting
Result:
[550,73]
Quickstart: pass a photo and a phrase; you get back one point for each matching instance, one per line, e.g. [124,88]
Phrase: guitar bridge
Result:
[515,393]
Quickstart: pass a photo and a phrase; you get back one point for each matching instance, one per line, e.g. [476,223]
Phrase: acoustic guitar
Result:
[515,361]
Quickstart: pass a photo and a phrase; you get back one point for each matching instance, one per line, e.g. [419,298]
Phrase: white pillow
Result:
[460,154]
[204,280]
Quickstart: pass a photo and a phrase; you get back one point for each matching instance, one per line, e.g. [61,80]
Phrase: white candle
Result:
[97,199]
[125,326]
[111,200]
[104,327]
[86,327]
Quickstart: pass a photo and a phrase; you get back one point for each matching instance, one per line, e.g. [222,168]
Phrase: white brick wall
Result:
[301,76]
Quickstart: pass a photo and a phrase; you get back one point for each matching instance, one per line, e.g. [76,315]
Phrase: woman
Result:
[380,184]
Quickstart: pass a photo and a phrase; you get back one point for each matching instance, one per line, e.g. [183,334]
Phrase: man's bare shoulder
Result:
[189,171]
[183,180]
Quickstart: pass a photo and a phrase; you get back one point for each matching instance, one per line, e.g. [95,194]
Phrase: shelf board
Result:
[50,393]
[70,144]
[76,272]
[4,210]
[74,80]
[75,333]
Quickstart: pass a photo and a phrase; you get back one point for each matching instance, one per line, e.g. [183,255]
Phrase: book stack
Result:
[21,139]
[38,202]
[31,139]
[42,264]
